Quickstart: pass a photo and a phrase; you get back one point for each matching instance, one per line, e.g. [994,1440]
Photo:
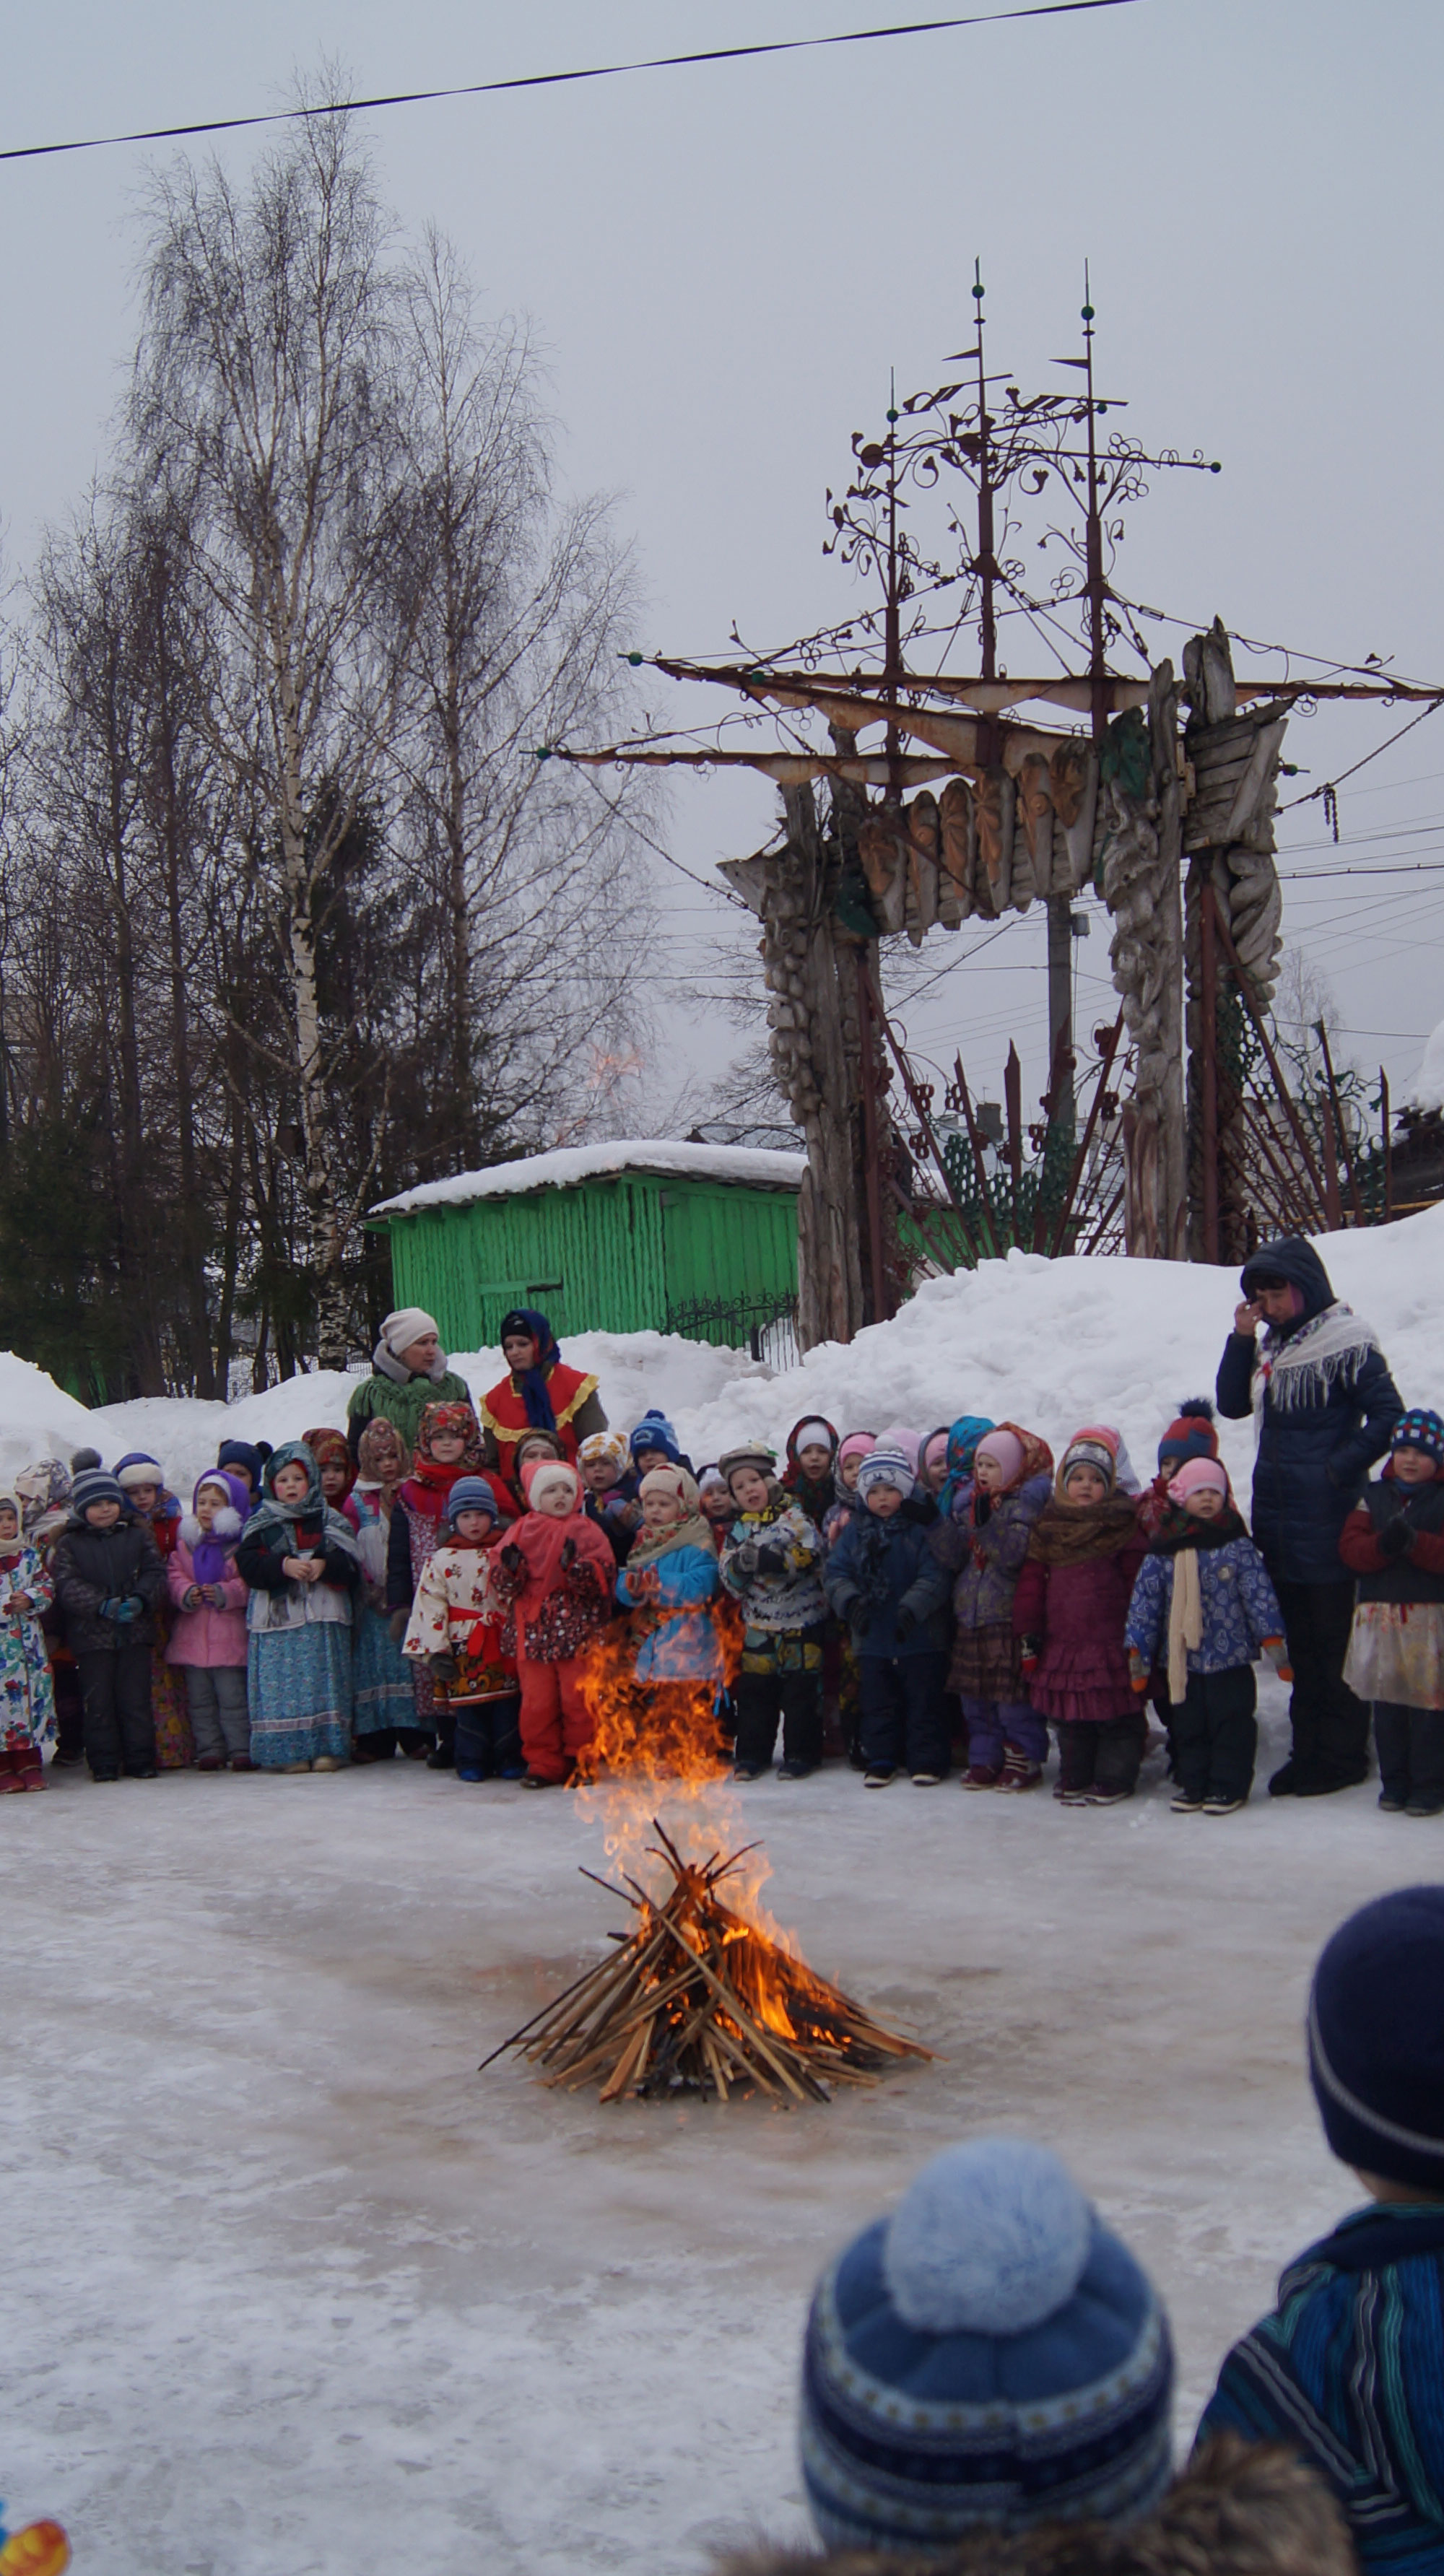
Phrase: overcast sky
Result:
[723,263]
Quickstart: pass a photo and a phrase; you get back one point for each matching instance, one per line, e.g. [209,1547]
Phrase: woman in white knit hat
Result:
[409,1372]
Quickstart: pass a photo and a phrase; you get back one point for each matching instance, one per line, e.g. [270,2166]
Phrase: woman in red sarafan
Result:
[556,1570]
[1069,1614]
[539,1392]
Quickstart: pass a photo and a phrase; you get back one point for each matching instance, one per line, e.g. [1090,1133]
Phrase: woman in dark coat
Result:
[1326,1405]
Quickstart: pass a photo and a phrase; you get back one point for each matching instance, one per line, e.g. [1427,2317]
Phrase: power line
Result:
[557,80]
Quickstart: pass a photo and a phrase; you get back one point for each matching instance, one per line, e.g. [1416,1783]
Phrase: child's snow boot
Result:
[1018,1771]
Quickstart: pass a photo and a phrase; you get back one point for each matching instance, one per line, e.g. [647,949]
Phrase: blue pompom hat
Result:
[1419,1429]
[470,1494]
[654,1431]
[989,2356]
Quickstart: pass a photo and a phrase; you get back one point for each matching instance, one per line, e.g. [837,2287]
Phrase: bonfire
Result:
[698,1998]
[701,1995]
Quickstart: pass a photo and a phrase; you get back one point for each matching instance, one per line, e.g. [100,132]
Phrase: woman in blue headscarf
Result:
[539,1392]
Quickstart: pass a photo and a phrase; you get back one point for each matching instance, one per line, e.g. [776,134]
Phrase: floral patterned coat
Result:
[27,1697]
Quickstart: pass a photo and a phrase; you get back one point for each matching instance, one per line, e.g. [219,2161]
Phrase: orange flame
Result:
[668,1734]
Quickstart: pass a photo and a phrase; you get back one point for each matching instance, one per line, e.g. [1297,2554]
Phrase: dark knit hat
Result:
[750,1453]
[1420,1429]
[989,2355]
[1376,2038]
[470,1494]
[94,1485]
[1192,1435]
[83,1458]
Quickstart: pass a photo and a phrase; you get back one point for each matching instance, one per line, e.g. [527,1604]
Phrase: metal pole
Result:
[1208,1012]
[1388,1126]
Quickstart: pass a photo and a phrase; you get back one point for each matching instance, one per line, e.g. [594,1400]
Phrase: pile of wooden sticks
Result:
[697,1998]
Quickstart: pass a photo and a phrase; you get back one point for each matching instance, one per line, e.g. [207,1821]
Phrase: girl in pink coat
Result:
[208,1636]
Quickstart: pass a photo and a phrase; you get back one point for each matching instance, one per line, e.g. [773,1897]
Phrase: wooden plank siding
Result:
[611,1254]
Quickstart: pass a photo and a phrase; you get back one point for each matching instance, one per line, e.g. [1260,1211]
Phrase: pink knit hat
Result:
[897,1437]
[1006,1451]
[1195,1475]
[856,1445]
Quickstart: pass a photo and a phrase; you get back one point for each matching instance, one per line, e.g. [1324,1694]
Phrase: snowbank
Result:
[760,1164]
[1051,1344]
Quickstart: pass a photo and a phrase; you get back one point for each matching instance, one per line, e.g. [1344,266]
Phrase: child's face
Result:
[814,1461]
[1204,1503]
[749,1490]
[9,1526]
[144,1498]
[210,1500]
[473,1528]
[555,1503]
[1414,1467]
[1085,1485]
[884,1500]
[987,1474]
[600,1474]
[935,1470]
[717,1504]
[290,1484]
[647,1459]
[243,1476]
[850,1470]
[333,1480]
[102,1515]
[447,1447]
[662,1511]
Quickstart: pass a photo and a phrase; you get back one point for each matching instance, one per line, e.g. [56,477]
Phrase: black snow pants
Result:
[1215,1733]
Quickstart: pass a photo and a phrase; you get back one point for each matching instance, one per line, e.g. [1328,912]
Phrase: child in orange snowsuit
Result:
[557,1571]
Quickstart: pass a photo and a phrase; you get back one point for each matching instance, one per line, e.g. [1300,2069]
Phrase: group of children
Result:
[888,1596]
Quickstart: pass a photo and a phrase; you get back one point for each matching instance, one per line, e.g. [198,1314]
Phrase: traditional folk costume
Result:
[548,1397]
[383,1703]
[299,1667]
[460,1623]
[557,1574]
[27,1702]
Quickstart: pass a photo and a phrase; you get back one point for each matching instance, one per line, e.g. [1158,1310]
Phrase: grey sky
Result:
[723,263]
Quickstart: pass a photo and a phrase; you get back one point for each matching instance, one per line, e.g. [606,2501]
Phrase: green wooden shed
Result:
[619,1238]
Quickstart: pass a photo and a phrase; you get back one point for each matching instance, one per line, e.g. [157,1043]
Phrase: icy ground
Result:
[289,2287]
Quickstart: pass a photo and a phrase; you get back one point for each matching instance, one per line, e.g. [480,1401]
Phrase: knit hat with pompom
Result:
[1192,1435]
[991,2355]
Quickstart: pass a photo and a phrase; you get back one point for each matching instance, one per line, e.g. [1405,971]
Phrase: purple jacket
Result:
[988,1559]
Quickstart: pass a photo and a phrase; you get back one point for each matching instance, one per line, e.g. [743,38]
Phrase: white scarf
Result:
[1185,1621]
[1303,1369]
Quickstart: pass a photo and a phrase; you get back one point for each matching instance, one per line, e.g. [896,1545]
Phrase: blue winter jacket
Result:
[683,1646]
[1238,1602]
[878,1565]
[1321,1427]
[1346,2372]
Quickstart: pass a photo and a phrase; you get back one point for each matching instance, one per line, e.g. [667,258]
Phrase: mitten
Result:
[904,1620]
[746,1557]
[512,1558]
[1276,1649]
[110,1609]
[134,1605]
[771,1559]
[443,1667]
[398,1623]
[569,1554]
[1029,1649]
[1396,1537]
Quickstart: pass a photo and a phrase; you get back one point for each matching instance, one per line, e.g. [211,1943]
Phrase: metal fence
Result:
[758,1324]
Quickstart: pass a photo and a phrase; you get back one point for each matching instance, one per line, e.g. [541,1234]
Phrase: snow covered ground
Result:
[289,2286]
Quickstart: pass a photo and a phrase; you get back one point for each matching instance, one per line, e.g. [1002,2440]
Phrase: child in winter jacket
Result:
[1069,1613]
[383,1702]
[812,1447]
[653,1443]
[885,1581]
[208,1642]
[1203,1600]
[303,1567]
[933,1461]
[556,1568]
[457,1621]
[671,1641]
[448,1445]
[108,1581]
[851,1451]
[143,1480]
[962,1450]
[27,1703]
[772,1565]
[1394,1541]
[605,1462]
[985,1548]
[1347,2372]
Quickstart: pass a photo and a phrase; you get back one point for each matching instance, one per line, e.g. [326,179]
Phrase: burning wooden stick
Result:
[697,1998]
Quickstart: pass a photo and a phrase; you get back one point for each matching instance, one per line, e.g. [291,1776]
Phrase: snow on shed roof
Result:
[572,1163]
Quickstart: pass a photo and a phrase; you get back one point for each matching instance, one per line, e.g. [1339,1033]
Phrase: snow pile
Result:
[1429,1089]
[764,1167]
[1051,1344]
